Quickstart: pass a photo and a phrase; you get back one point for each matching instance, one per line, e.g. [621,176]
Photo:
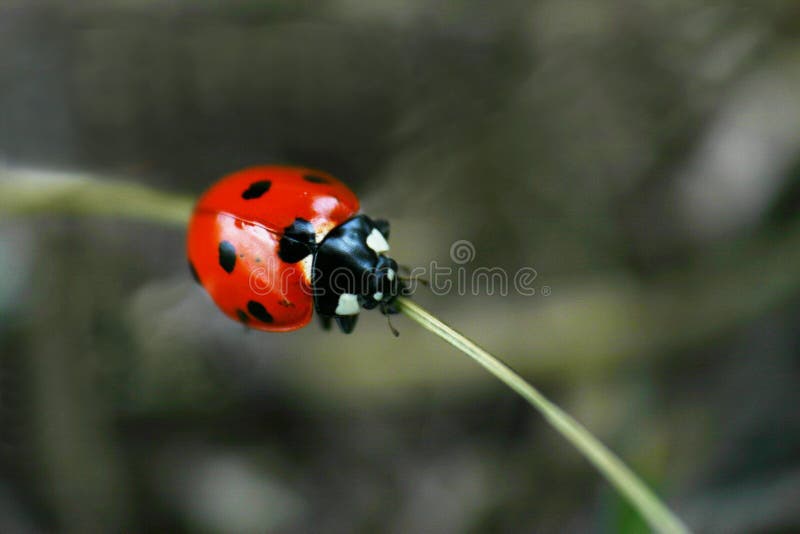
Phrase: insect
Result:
[271,244]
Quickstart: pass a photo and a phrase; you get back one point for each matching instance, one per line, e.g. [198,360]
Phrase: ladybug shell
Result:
[234,239]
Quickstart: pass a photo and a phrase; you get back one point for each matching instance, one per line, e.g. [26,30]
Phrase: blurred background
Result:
[642,156]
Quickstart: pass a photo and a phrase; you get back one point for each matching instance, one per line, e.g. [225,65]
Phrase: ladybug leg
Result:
[325,321]
[383,227]
[410,280]
[390,308]
[346,322]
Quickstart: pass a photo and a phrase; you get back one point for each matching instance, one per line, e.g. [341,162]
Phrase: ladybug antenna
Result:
[409,284]
[423,281]
[394,330]
[409,278]
[384,311]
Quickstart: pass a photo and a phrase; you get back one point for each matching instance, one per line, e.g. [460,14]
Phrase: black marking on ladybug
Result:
[346,322]
[297,242]
[315,179]
[325,321]
[258,311]
[227,256]
[256,189]
[194,273]
[242,316]
[383,227]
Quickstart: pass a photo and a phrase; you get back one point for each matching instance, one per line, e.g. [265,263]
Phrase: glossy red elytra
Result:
[271,244]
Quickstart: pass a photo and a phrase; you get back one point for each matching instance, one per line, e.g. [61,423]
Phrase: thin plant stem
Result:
[629,485]
[29,192]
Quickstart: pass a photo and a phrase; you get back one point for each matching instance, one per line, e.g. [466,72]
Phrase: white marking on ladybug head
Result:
[377,242]
[390,274]
[321,229]
[348,304]
[377,296]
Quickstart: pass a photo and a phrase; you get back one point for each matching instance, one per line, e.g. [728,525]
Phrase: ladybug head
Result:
[385,285]
[351,271]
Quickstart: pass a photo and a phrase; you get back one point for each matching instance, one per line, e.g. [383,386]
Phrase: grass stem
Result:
[629,485]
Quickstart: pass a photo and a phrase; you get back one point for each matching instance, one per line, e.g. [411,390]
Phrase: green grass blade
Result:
[30,192]
[629,485]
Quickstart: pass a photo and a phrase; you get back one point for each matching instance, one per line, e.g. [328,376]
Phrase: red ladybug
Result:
[271,243]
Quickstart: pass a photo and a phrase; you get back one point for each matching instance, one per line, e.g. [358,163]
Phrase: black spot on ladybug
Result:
[242,316]
[315,179]
[256,189]
[194,273]
[297,242]
[258,311]
[227,256]
[258,260]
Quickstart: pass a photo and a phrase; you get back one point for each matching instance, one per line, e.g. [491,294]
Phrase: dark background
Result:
[642,156]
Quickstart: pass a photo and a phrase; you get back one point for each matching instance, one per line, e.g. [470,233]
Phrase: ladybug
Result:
[270,244]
